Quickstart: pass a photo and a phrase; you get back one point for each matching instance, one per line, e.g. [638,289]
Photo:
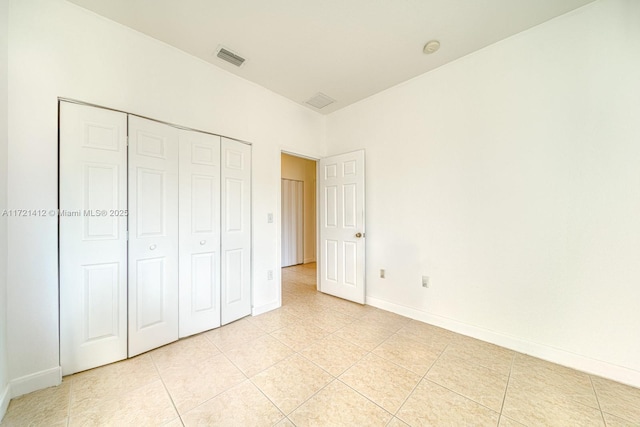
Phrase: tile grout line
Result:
[595,392]
[423,377]
[504,398]
[270,401]
[353,389]
[175,408]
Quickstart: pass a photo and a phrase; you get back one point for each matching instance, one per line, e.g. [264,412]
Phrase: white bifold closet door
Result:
[93,240]
[199,232]
[292,222]
[236,230]
[153,234]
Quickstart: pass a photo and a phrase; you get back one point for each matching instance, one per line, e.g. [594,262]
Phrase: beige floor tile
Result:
[573,384]
[174,423]
[325,300]
[536,404]
[299,335]
[430,335]
[384,320]
[397,422]
[290,382]
[330,320]
[243,405]
[617,399]
[285,422]
[187,351]
[288,298]
[298,285]
[409,354]
[507,422]
[91,387]
[613,421]
[147,405]
[274,320]
[306,309]
[338,405]
[433,405]
[41,408]
[381,381]
[347,307]
[258,355]
[478,383]
[334,355]
[234,334]
[191,385]
[363,335]
[482,353]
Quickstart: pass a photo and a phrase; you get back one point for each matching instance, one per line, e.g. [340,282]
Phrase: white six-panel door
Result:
[153,234]
[199,232]
[93,245]
[236,230]
[342,246]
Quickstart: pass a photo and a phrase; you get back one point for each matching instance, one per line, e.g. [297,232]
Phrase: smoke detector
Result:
[431,47]
[229,56]
[320,100]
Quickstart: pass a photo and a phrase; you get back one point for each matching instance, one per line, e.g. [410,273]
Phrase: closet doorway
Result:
[298,210]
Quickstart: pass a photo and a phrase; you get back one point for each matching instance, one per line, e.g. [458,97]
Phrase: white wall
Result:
[304,170]
[57,49]
[4,88]
[511,177]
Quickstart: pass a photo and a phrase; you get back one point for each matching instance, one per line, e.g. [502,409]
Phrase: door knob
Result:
[202,242]
[152,247]
[358,235]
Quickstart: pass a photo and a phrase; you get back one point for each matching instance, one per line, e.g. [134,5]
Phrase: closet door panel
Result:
[93,246]
[236,230]
[199,232]
[153,235]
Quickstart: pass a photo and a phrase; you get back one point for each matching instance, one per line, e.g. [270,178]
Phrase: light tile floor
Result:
[322,361]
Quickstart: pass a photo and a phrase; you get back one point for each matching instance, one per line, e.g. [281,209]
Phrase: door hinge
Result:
[127,235]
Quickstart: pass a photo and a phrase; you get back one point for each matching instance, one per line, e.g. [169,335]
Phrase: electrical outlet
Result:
[382,273]
[270,275]
[270,218]
[425,281]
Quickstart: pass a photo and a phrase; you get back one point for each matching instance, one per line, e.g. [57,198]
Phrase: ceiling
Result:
[346,49]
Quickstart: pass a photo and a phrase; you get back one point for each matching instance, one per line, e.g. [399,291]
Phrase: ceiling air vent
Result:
[320,100]
[230,57]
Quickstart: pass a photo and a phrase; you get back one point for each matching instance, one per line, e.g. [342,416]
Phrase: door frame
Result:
[316,159]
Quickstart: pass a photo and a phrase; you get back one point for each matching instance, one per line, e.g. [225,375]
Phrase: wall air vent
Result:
[230,57]
[320,100]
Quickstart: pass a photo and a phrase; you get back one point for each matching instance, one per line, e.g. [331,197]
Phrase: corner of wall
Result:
[5,397]
[36,381]
[4,123]
[255,311]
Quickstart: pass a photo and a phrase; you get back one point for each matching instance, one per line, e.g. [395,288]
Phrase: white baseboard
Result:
[266,307]
[36,381]
[575,361]
[5,397]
